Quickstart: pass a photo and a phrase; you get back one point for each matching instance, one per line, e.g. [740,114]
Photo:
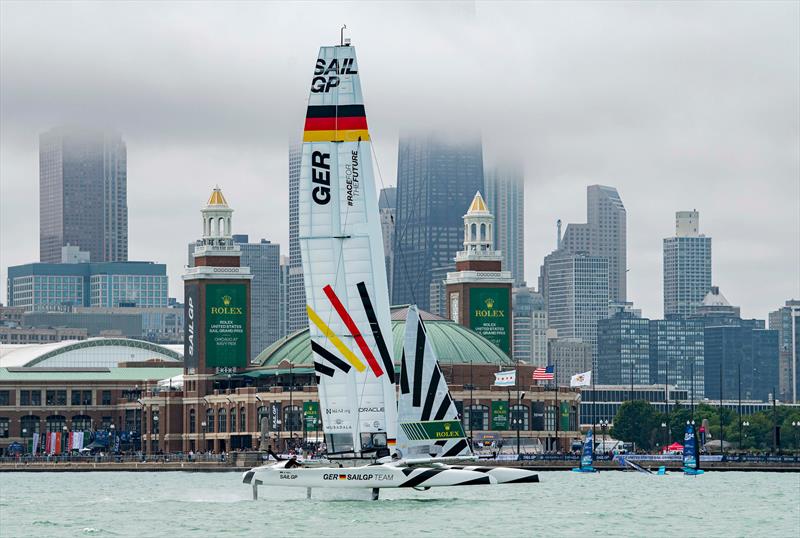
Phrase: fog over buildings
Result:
[676,105]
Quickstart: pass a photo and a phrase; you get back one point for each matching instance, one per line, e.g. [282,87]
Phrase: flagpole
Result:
[516,382]
[558,411]
[594,416]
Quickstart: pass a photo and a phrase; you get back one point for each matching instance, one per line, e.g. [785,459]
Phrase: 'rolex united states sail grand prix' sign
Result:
[226,326]
[490,316]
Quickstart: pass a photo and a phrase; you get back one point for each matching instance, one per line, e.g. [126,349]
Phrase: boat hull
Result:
[369,476]
[584,470]
[504,475]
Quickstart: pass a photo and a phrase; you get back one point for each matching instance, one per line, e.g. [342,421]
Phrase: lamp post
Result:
[796,429]
[470,387]
[64,439]
[745,424]
[25,438]
[203,425]
[520,414]
[111,442]
[666,436]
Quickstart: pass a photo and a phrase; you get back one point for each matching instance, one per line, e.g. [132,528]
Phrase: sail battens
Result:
[353,328]
[334,339]
[330,357]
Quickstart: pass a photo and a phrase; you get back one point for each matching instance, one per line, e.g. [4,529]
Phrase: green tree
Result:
[637,422]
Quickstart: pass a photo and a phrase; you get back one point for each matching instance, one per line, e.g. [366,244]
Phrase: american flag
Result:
[544,373]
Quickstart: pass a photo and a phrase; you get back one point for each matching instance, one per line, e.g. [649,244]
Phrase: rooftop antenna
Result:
[558,231]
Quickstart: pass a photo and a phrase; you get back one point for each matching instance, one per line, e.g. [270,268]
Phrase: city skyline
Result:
[174,158]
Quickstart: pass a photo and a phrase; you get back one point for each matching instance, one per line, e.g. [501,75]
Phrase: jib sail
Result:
[429,421]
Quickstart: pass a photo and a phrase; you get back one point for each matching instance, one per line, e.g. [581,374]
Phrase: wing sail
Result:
[343,266]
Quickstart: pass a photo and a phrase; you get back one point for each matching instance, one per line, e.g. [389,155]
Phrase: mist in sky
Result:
[678,105]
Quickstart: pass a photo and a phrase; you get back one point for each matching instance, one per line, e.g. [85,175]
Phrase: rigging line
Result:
[402,231]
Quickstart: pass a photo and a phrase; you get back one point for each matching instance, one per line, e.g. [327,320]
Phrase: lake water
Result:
[616,504]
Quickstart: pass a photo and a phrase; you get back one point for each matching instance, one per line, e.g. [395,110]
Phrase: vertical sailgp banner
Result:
[343,266]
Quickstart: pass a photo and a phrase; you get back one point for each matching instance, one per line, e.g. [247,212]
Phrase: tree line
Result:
[641,423]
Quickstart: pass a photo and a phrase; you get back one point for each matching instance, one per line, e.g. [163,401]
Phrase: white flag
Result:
[581,380]
[505,379]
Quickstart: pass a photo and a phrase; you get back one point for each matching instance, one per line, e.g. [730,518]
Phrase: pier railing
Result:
[119,458]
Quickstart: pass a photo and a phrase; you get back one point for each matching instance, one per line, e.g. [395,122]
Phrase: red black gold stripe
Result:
[353,328]
[388,364]
[331,123]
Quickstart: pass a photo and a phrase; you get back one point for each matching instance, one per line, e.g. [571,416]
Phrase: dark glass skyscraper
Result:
[436,180]
[83,194]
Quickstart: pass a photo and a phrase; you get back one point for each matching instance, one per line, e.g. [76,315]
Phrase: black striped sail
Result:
[343,266]
[429,421]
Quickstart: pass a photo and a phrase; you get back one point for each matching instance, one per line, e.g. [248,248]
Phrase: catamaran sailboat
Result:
[587,456]
[691,452]
[383,444]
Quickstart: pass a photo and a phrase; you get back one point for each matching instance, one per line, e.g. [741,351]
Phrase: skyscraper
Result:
[687,266]
[740,354]
[387,205]
[530,326]
[604,234]
[263,259]
[505,195]
[297,318]
[575,288]
[283,303]
[83,194]
[677,353]
[623,350]
[786,320]
[436,180]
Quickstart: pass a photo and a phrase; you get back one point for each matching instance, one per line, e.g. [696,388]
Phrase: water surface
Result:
[178,504]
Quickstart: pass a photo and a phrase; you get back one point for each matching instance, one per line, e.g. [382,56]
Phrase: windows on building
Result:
[292,418]
[30,397]
[4,425]
[29,425]
[5,398]
[222,419]
[210,420]
[56,423]
[81,423]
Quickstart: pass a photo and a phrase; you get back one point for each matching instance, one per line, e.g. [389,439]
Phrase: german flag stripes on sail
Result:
[332,123]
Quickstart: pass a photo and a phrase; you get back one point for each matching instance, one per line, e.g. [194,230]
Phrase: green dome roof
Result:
[452,343]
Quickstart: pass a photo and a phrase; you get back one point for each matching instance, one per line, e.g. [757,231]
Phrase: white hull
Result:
[503,475]
[365,477]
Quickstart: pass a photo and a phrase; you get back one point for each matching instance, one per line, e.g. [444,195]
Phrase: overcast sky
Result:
[679,105]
